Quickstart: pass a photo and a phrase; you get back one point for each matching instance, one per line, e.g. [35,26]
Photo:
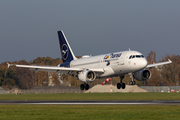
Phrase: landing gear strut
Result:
[84,86]
[121,85]
[132,82]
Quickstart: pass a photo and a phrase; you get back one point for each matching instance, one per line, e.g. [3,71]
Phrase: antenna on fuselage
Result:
[129,49]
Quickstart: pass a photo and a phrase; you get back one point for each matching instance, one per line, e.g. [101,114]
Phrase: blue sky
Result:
[28,29]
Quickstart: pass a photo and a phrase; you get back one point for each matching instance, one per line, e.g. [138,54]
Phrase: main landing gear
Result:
[84,86]
[121,85]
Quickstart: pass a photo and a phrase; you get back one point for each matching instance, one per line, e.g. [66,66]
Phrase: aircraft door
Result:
[123,63]
[121,59]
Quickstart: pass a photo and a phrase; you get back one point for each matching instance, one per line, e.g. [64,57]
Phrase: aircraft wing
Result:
[54,68]
[150,66]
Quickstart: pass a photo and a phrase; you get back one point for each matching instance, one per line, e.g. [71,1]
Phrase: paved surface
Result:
[91,102]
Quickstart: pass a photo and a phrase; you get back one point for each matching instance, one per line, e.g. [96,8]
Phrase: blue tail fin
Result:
[66,52]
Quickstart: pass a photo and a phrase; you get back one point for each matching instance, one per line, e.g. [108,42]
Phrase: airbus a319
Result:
[88,68]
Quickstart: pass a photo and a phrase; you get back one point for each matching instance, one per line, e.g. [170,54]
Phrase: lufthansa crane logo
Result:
[65,51]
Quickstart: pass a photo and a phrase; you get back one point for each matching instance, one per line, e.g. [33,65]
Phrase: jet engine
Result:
[142,75]
[87,76]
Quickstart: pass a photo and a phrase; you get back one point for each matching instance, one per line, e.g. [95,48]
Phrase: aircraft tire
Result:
[118,85]
[123,85]
[82,86]
[134,82]
[86,86]
[131,82]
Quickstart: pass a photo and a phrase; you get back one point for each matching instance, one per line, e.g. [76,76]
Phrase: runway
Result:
[90,102]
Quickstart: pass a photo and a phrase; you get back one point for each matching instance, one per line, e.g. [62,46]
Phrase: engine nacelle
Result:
[87,76]
[142,75]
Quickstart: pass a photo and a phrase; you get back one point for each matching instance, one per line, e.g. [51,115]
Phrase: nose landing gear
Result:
[132,82]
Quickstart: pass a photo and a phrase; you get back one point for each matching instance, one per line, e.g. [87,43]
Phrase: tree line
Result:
[23,78]
[166,75]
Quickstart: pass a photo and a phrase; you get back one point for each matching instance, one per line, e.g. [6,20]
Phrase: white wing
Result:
[157,64]
[55,69]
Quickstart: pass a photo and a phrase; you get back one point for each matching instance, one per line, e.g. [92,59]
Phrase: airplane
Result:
[88,68]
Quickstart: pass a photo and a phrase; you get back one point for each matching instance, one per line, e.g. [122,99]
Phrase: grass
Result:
[91,112]
[93,96]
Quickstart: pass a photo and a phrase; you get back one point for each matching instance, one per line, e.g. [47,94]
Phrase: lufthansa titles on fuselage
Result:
[112,55]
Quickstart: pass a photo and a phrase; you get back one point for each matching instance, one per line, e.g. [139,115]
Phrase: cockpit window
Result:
[136,56]
[142,56]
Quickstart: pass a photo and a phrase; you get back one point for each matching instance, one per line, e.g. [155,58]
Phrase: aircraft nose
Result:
[143,63]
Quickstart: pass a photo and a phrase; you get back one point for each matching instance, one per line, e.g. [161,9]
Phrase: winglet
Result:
[170,60]
[10,65]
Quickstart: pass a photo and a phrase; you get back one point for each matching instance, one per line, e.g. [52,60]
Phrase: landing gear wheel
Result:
[131,82]
[118,85]
[134,82]
[82,86]
[123,85]
[86,86]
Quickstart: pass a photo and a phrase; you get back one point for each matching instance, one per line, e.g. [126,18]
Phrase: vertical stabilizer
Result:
[66,52]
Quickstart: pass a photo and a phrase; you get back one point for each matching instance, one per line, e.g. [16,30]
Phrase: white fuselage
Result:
[113,64]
